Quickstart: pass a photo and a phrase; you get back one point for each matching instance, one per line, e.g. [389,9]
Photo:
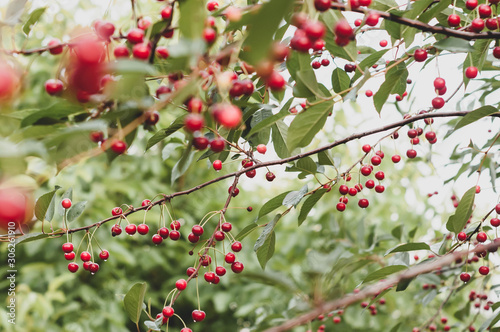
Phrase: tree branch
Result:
[379,287]
[420,25]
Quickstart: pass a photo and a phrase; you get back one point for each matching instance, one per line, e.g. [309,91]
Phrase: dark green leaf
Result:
[309,80]
[30,237]
[384,272]
[492,320]
[306,125]
[454,45]
[266,250]
[309,204]
[340,80]
[262,27]
[463,212]
[266,233]
[43,203]
[462,313]
[279,134]
[192,20]
[396,327]
[403,284]
[267,122]
[272,204]
[367,63]
[52,113]
[429,297]
[134,300]
[294,197]
[409,247]
[395,82]
[475,115]
[76,210]
[324,158]
[34,17]
[183,164]
[246,231]
[397,232]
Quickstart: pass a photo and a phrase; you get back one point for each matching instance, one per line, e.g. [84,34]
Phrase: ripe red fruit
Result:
[209,277]
[471,72]
[462,236]
[372,19]
[358,22]
[55,47]
[135,36]
[237,267]
[217,165]
[411,153]
[438,102]
[97,136]
[198,315]
[420,55]
[104,29]
[227,115]
[314,30]
[166,13]
[497,208]
[194,122]
[369,93]
[220,271]
[174,235]
[454,20]
[230,258]
[67,247]
[376,160]
[380,175]
[157,239]
[209,35]
[495,222]
[53,87]
[366,148]
[186,329]
[181,284]
[492,23]
[316,64]
[343,29]
[430,135]
[276,82]
[121,51]
[116,211]
[175,225]
[477,25]
[484,11]
[383,43]
[280,51]
[481,237]
[226,227]
[193,238]
[270,176]
[236,246]
[85,256]
[141,51]
[130,229]
[471,4]
[200,143]
[69,255]
[365,3]
[168,311]
[363,203]
[219,236]
[190,271]
[396,158]
[336,320]
[118,146]
[484,270]
[465,277]
[439,83]
[73,267]
[212,5]
[116,230]
[340,206]
[370,184]
[66,203]
[496,52]
[261,148]
[104,255]
[162,52]
[197,230]
[365,170]
[217,145]
[322,5]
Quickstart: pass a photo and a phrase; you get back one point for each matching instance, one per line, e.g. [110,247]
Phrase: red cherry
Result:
[212,5]
[194,122]
[340,206]
[477,25]
[86,265]
[300,42]
[236,246]
[209,277]
[411,153]
[141,51]
[226,227]
[119,146]
[396,158]
[209,35]
[438,102]
[97,136]
[383,43]
[316,64]
[365,3]
[121,51]
[380,175]
[237,267]
[227,115]
[116,211]
[261,148]
[370,184]
[379,188]
[343,29]
[93,268]
[270,176]
[420,55]
[497,208]
[197,230]
[492,23]
[67,247]
[322,5]
[175,225]
[53,87]
[465,277]
[454,20]
[439,83]
[166,13]
[484,11]
[174,235]
[471,4]
[363,203]
[69,255]
[198,315]
[135,36]
[217,165]
[471,72]
[315,30]
[144,23]
[181,284]
[66,203]
[358,22]
[200,143]
[104,29]
[193,238]
[230,258]
[85,256]
[481,237]
[186,329]
[484,270]
[495,222]
[168,311]
[73,267]
[372,19]
[276,82]
[462,236]
[162,52]
[130,229]
[55,47]
[157,239]
[104,255]
[369,93]
[220,271]
[217,145]
[376,160]
[116,230]
[366,148]
[496,52]
[219,236]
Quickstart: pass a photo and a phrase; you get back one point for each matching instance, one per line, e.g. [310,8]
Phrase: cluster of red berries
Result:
[309,34]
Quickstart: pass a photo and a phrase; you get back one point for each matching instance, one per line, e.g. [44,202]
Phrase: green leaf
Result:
[76,210]
[132,67]
[396,327]
[454,45]
[324,158]
[462,313]
[261,29]
[307,124]
[477,57]
[409,247]
[31,237]
[134,300]
[166,132]
[14,11]
[403,284]
[463,212]
[272,204]
[367,63]
[67,194]
[154,326]
[268,122]
[309,204]
[43,203]
[266,250]
[279,134]
[52,113]
[384,272]
[395,82]
[34,17]
[475,115]
[246,231]
[183,164]
[340,80]
[294,197]
[309,80]
[192,18]
[429,297]
[492,320]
